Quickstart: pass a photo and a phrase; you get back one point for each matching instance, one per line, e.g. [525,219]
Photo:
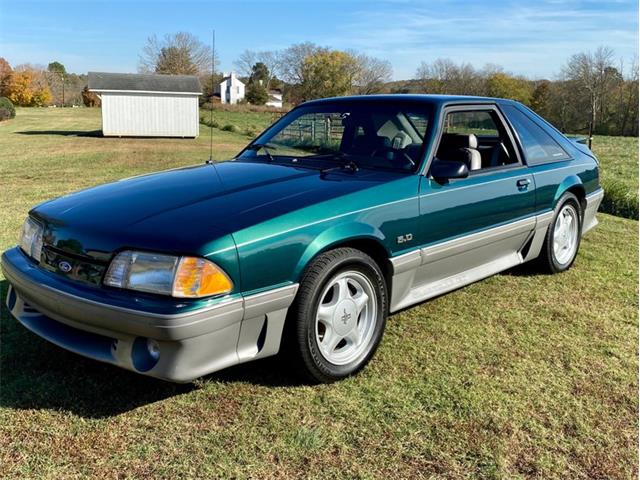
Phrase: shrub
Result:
[205,120]
[619,200]
[90,99]
[250,132]
[256,94]
[7,110]
[230,128]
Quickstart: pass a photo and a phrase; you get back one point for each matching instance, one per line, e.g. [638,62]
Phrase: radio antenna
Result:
[213,67]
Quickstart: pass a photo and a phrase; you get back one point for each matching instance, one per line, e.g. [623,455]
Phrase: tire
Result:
[334,330]
[552,258]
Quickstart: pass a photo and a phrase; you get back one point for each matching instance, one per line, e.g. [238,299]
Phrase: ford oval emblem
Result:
[64,266]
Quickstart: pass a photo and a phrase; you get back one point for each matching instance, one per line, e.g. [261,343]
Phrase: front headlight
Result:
[185,277]
[31,238]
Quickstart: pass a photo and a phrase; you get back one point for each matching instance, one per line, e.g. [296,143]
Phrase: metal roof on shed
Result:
[142,82]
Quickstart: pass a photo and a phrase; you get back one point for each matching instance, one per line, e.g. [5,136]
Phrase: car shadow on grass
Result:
[529,269]
[64,133]
[37,375]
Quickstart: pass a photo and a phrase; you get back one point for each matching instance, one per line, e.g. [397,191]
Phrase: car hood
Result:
[183,210]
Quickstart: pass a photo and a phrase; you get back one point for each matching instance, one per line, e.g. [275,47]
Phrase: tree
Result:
[245,62]
[175,60]
[5,76]
[272,60]
[90,99]
[27,90]
[209,86]
[260,74]
[292,68]
[256,94]
[7,110]
[57,79]
[327,74]
[372,74]
[591,72]
[541,98]
[627,108]
[444,76]
[436,77]
[56,67]
[503,85]
[178,54]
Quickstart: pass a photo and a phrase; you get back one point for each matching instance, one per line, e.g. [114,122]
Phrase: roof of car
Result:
[409,98]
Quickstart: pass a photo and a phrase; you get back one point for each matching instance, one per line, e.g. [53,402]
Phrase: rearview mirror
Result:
[448,169]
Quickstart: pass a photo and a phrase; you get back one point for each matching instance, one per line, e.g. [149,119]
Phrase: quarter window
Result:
[538,145]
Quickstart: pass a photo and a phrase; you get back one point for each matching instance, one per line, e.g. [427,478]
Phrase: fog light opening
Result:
[153,348]
[145,354]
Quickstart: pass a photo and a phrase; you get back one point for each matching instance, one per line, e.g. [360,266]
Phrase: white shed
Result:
[147,105]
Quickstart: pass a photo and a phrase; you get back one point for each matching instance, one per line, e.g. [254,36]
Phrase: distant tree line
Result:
[29,85]
[306,71]
[592,93]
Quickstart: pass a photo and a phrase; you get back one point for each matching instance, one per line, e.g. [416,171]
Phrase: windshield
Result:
[369,135]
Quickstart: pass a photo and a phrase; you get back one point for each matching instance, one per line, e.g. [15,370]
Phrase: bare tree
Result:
[436,77]
[249,58]
[627,96]
[592,72]
[371,74]
[178,53]
[292,61]
[245,62]
[444,76]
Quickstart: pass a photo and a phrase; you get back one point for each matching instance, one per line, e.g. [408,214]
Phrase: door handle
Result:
[523,183]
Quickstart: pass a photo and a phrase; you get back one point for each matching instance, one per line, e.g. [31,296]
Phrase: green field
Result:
[522,375]
[619,160]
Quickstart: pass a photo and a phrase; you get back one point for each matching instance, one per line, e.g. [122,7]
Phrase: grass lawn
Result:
[522,375]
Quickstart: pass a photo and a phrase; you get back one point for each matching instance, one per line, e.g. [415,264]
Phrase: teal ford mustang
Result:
[343,211]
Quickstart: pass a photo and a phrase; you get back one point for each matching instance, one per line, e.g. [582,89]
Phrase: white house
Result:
[275,99]
[147,105]
[230,89]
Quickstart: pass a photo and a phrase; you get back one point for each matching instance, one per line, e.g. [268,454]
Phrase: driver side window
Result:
[478,138]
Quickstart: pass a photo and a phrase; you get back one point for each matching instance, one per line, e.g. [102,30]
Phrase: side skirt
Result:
[593,202]
[431,271]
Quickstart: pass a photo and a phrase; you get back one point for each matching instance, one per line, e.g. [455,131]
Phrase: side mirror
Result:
[442,170]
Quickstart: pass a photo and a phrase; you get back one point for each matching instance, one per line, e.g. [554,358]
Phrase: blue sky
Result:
[532,38]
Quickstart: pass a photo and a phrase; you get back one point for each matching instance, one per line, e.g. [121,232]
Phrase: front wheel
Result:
[563,236]
[339,315]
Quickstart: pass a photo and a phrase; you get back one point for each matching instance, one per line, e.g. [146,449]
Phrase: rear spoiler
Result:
[581,143]
[579,140]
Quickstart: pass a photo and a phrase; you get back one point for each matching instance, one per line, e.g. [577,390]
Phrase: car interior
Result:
[395,138]
[477,138]
[381,138]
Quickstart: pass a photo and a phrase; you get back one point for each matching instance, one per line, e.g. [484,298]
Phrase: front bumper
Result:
[191,343]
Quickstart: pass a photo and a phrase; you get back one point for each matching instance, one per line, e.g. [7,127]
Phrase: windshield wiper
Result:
[265,147]
[346,165]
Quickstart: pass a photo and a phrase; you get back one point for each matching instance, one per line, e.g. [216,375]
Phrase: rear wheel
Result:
[339,315]
[563,236]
